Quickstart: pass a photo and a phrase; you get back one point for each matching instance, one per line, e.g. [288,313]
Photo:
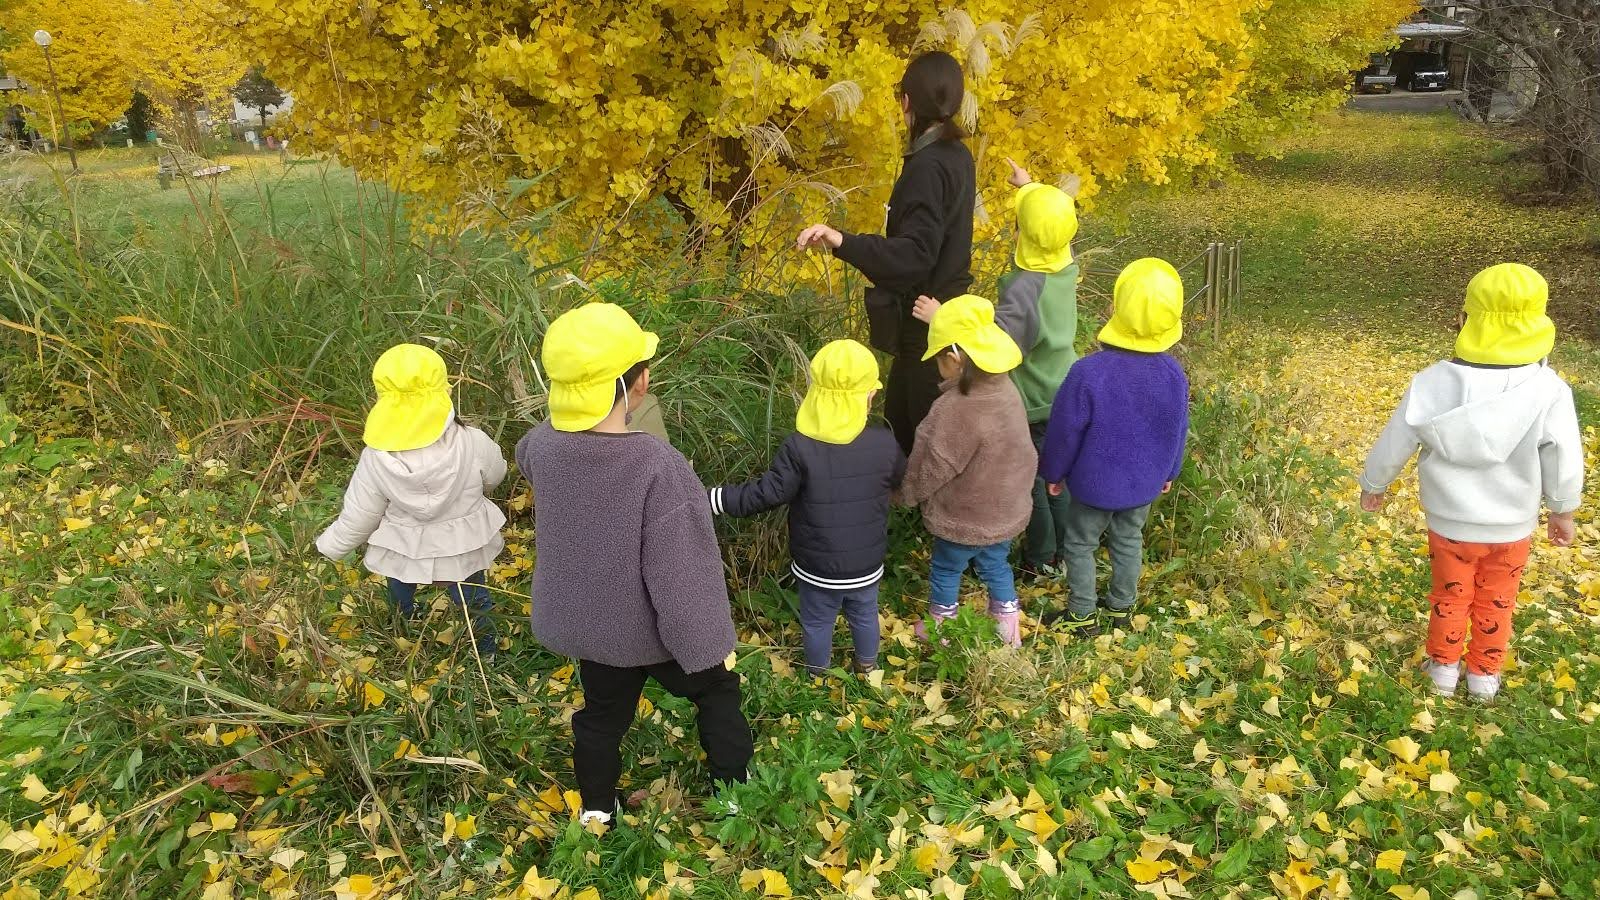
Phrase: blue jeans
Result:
[819,610]
[950,562]
[472,595]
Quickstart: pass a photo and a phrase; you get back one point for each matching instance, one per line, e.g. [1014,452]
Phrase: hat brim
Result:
[834,416]
[580,407]
[1032,259]
[1490,340]
[992,350]
[1113,335]
[400,422]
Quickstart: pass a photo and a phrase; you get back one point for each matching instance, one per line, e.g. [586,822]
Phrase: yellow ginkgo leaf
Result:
[840,786]
[467,827]
[1443,782]
[34,789]
[1142,740]
[1391,861]
[1145,871]
[372,696]
[1404,747]
[75,524]
[1407,892]
[588,893]
[945,886]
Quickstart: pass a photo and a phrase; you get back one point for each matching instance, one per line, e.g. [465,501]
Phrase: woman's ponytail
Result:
[933,85]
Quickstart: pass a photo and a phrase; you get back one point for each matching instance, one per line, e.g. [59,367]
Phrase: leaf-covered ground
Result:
[192,704]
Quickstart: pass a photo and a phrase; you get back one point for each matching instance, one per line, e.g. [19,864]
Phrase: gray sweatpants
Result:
[1123,531]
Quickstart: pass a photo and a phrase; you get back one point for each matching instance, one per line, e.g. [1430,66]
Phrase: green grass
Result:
[220,701]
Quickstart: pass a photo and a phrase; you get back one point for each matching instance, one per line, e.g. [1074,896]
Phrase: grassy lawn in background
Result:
[193,704]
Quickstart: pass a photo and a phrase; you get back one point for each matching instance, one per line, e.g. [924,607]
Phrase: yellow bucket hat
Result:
[586,350]
[413,405]
[1506,321]
[968,323]
[843,376]
[1047,220]
[1147,307]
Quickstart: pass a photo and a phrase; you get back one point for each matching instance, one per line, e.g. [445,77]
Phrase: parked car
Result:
[1432,75]
[1420,70]
[1374,79]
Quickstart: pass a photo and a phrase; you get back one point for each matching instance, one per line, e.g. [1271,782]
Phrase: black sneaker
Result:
[1079,626]
[1122,619]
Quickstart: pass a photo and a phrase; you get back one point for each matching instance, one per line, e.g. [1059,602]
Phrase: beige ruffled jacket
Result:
[422,513]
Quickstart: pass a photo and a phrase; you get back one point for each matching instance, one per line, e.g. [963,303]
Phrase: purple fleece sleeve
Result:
[1182,386]
[1069,418]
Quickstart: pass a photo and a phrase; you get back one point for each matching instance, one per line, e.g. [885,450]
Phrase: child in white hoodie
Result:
[417,497]
[1498,431]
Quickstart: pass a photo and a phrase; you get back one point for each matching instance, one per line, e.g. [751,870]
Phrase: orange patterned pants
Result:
[1476,584]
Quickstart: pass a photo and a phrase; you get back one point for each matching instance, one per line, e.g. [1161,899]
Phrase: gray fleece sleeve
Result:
[1017,313]
[683,571]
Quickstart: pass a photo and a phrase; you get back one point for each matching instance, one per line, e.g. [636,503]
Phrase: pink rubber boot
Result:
[1009,625]
[921,628]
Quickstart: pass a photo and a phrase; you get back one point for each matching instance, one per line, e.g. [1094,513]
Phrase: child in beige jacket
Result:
[417,497]
[973,465]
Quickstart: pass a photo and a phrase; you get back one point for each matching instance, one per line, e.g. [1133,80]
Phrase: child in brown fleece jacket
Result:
[973,464]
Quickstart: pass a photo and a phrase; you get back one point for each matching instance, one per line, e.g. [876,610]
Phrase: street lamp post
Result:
[43,39]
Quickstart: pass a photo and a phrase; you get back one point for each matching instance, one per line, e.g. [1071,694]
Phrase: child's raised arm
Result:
[364,506]
[777,486]
[1395,447]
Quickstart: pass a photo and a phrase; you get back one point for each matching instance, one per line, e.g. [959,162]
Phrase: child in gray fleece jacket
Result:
[628,577]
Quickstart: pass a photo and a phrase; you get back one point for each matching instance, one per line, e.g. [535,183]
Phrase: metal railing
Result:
[1220,265]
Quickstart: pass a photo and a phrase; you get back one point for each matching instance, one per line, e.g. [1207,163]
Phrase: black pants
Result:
[610,697]
[908,394]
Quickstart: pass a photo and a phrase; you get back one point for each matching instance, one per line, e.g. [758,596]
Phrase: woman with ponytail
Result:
[926,247]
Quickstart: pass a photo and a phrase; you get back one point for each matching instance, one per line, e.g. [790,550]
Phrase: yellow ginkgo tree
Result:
[674,118]
[94,63]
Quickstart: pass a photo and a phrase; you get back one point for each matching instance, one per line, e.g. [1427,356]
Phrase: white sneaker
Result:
[593,815]
[1482,687]
[1444,677]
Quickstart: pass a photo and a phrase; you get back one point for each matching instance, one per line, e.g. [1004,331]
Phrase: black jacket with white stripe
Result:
[838,498]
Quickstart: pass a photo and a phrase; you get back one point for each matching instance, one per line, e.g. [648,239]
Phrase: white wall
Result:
[246,115]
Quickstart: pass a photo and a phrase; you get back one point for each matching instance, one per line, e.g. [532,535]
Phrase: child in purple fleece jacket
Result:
[1116,438]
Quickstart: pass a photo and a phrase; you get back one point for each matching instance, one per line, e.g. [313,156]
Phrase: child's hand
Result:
[1166,488]
[1019,175]
[924,309]
[819,236]
[1373,502]
[1055,489]
[1562,529]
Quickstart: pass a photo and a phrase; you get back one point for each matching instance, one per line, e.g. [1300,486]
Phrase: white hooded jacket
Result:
[422,513]
[1494,441]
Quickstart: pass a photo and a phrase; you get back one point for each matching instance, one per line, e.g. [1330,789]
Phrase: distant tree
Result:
[258,92]
[1561,39]
[94,62]
[140,116]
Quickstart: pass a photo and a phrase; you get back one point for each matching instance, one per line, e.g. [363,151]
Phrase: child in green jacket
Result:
[1039,308]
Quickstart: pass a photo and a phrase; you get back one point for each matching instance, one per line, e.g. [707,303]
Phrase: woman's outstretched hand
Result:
[1019,175]
[925,307]
[819,236]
